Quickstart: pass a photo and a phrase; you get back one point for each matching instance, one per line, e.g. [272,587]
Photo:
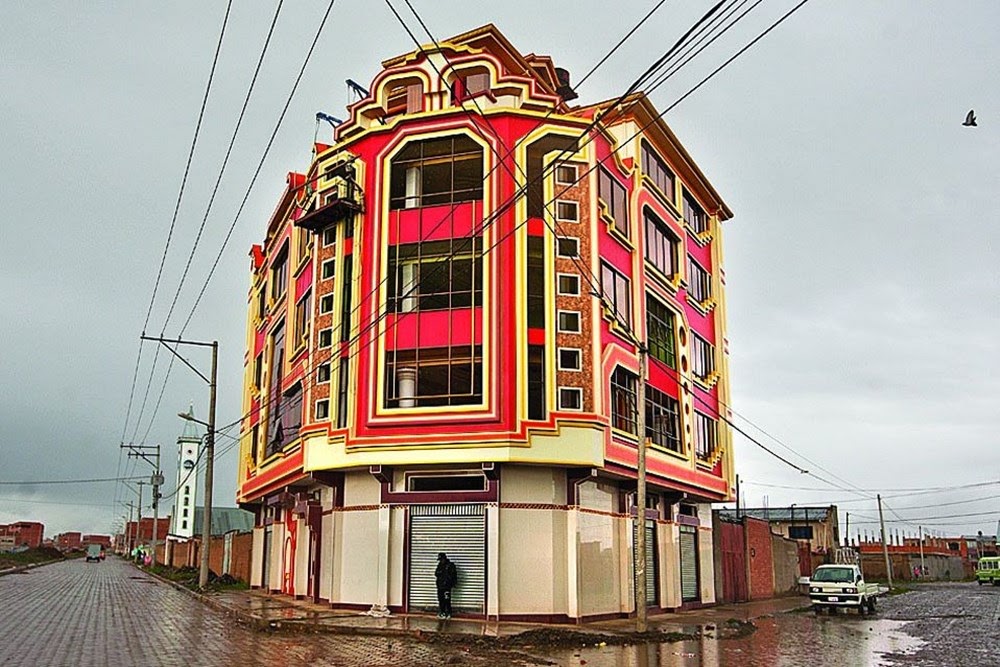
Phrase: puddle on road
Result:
[784,641]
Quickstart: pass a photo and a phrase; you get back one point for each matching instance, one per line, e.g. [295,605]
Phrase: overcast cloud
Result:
[861,262]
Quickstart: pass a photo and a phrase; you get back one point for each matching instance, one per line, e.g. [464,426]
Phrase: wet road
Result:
[83,614]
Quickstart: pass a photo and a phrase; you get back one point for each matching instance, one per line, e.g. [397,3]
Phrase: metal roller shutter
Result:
[651,572]
[460,532]
[689,564]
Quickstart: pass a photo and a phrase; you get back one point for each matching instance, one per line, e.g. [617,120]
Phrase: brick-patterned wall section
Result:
[761,559]
[239,559]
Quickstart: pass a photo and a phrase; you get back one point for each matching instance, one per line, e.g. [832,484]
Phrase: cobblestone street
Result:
[75,613]
[87,614]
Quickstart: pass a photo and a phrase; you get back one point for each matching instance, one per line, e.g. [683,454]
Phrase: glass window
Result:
[613,194]
[570,398]
[704,436]
[569,284]
[323,373]
[276,438]
[567,211]
[303,314]
[694,215]
[658,172]
[661,245]
[537,310]
[569,321]
[322,409]
[568,247]
[617,291]
[328,270]
[435,275]
[437,171]
[434,377]
[660,332]
[702,357]
[662,425]
[699,282]
[569,359]
[326,304]
[279,273]
[566,174]
[623,400]
[330,236]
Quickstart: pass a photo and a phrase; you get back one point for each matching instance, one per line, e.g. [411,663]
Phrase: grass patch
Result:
[188,577]
[30,557]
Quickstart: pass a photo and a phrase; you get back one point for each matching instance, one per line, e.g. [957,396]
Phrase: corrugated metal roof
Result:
[225,520]
[786,514]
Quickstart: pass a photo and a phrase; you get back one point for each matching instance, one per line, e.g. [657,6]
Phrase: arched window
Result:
[436,171]
[404,96]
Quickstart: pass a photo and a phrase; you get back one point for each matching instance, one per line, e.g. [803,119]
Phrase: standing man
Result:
[446,577]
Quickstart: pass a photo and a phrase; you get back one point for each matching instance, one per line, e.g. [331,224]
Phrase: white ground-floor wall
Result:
[537,549]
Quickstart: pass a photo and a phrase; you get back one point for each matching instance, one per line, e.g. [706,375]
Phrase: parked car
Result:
[95,552]
[835,586]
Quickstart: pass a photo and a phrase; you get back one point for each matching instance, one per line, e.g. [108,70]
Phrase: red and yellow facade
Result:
[443,349]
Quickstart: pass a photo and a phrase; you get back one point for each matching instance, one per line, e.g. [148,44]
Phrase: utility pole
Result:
[128,532]
[156,481]
[206,528]
[885,549]
[847,529]
[640,495]
[920,530]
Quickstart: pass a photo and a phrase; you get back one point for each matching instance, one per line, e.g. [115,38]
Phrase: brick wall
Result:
[239,560]
[761,559]
[186,554]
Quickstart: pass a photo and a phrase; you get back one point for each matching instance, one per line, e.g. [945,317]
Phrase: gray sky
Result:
[861,267]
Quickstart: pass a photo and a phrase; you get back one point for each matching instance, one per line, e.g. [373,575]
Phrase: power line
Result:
[246,195]
[173,223]
[69,481]
[225,162]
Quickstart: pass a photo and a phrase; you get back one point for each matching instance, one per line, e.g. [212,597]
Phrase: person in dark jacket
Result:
[446,577]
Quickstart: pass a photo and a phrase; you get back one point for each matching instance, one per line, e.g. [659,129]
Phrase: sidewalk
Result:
[278,611]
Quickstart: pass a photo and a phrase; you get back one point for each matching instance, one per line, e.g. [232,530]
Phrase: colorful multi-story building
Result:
[447,322]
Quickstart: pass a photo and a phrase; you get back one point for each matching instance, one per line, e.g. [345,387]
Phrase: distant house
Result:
[816,527]
[25,533]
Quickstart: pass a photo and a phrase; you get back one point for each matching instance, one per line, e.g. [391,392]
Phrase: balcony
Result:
[339,201]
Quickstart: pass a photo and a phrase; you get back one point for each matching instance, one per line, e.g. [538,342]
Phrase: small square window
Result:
[569,321]
[322,409]
[323,373]
[569,359]
[326,304]
[568,247]
[567,211]
[569,284]
[329,236]
[566,174]
[325,338]
[328,270]
[570,398]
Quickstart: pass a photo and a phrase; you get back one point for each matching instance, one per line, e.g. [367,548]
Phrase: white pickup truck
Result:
[834,586]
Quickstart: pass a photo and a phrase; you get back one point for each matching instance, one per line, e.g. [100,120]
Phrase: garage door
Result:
[689,564]
[460,532]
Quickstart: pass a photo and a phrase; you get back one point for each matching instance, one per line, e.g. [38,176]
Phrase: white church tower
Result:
[182,517]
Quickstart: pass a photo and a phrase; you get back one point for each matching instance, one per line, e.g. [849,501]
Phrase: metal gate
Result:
[689,564]
[460,532]
[732,544]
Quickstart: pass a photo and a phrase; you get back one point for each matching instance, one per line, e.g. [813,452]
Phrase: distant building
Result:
[69,540]
[141,531]
[815,526]
[103,540]
[25,533]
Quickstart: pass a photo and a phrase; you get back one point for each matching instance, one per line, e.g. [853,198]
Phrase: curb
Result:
[241,617]
[31,566]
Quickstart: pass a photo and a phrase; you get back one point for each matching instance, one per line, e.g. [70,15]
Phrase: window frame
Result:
[623,393]
[574,205]
[567,239]
[648,159]
[320,344]
[620,288]
[661,239]
[410,177]
[699,281]
[326,304]
[614,196]
[324,414]
[702,352]
[701,435]
[332,273]
[567,391]
[572,350]
[559,323]
[655,322]
[559,286]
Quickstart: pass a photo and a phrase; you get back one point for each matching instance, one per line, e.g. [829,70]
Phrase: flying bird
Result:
[970,119]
